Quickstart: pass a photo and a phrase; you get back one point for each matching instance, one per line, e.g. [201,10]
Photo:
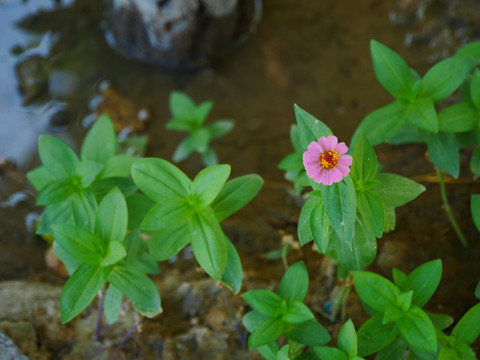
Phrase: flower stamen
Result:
[328,159]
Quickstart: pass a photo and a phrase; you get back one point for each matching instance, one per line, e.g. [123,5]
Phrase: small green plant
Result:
[283,314]
[190,118]
[109,235]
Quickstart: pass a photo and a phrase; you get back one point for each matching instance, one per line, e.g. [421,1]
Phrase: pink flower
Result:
[325,160]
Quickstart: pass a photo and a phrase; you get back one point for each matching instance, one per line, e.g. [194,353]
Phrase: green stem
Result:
[448,209]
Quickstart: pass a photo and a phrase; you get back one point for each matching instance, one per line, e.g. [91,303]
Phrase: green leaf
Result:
[118,166]
[470,50]
[391,71]
[341,207]
[409,134]
[475,209]
[137,287]
[55,192]
[168,213]
[423,115]
[87,171]
[399,277]
[457,118]
[112,218]
[80,289]
[100,143]
[347,339]
[291,162]
[253,320]
[468,328]
[370,206]
[475,161]
[443,151]
[389,220]
[39,177]
[159,179]
[102,187]
[392,313]
[199,140]
[294,283]
[475,88]
[375,290]
[365,162]
[373,335]
[423,281]
[382,124]
[185,148]
[268,332]
[233,275]
[71,264]
[112,304]
[208,184]
[309,333]
[236,194]
[263,301]
[219,128]
[329,353]
[295,139]
[445,77]
[394,351]
[115,253]
[182,107]
[146,263]
[396,190]
[57,157]
[362,251]
[202,111]
[209,157]
[417,330]
[84,207]
[138,205]
[78,243]
[167,243]
[269,351]
[310,129]
[304,230]
[297,313]
[208,243]
[404,300]
[60,213]
[440,321]
[320,226]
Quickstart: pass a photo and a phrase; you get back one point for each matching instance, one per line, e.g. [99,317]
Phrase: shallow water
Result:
[312,53]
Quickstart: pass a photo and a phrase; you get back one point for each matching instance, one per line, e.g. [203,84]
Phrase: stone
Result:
[8,350]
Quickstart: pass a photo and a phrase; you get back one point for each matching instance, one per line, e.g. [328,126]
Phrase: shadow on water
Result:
[315,54]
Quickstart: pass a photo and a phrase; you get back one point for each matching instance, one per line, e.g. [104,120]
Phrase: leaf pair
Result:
[189,212]
[282,314]
[397,308]
[189,117]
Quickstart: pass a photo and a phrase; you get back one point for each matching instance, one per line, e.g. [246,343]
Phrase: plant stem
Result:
[448,209]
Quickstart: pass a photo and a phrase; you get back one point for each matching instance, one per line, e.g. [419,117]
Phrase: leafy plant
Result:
[190,118]
[345,218]
[283,314]
[187,212]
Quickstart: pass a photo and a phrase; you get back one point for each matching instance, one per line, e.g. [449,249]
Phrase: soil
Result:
[315,54]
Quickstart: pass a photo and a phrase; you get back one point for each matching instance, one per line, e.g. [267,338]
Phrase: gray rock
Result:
[8,350]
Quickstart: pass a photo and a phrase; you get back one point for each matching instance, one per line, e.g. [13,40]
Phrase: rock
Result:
[32,77]
[8,350]
[181,33]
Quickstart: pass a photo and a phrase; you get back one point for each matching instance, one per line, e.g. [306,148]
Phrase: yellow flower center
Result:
[328,159]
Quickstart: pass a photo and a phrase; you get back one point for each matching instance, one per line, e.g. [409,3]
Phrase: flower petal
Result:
[312,170]
[309,158]
[324,143]
[344,170]
[345,160]
[333,141]
[336,175]
[327,178]
[315,148]
[341,149]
